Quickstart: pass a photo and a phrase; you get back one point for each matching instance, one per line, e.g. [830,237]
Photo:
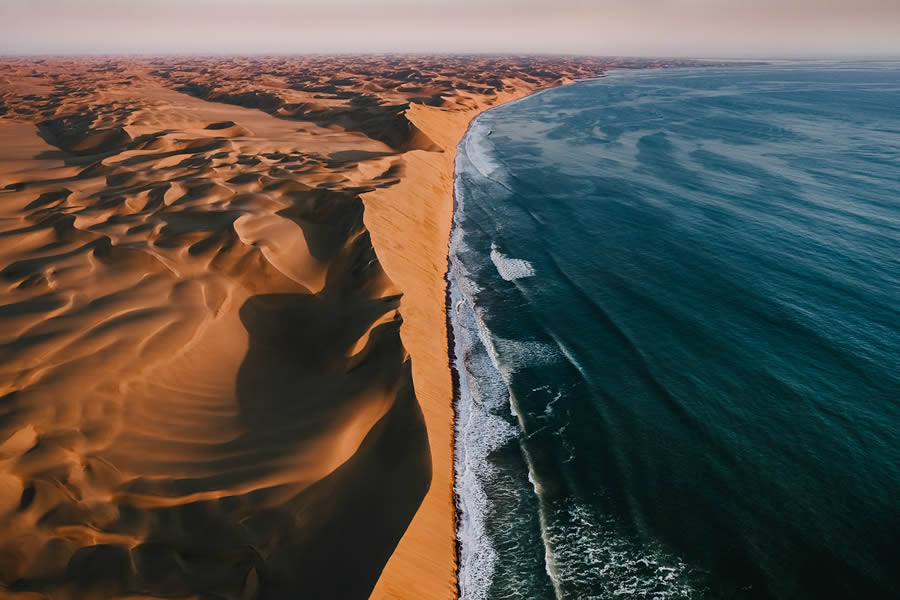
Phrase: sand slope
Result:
[223,351]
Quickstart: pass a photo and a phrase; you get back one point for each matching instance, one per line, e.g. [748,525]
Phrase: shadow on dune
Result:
[335,537]
[312,524]
[305,390]
[364,113]
[332,538]
[321,365]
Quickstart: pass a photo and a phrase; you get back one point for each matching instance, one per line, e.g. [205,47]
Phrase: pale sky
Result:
[699,28]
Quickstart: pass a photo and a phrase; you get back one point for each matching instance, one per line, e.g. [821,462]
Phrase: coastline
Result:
[294,229]
[429,548]
[592,539]
[422,537]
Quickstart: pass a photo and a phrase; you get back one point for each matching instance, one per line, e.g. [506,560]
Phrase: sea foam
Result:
[479,431]
[510,268]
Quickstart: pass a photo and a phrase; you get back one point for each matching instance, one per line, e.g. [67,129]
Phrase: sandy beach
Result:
[223,349]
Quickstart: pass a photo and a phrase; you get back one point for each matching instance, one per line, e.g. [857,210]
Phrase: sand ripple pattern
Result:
[202,376]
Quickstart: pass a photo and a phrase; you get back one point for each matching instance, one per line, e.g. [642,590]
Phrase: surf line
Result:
[513,269]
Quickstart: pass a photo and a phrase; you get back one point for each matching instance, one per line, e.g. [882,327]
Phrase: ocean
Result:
[675,308]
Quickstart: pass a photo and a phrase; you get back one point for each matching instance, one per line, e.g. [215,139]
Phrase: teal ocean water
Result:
[675,305]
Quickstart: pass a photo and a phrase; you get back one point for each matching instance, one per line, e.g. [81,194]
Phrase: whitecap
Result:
[589,558]
[510,268]
[514,355]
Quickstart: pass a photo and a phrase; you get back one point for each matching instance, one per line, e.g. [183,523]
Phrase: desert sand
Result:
[223,350]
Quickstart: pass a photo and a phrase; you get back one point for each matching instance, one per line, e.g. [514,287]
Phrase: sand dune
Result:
[223,354]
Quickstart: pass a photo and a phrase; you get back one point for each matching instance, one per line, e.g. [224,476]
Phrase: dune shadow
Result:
[312,498]
[344,527]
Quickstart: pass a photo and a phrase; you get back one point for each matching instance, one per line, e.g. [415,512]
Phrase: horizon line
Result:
[731,58]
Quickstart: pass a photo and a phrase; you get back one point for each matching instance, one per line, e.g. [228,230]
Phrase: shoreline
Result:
[583,531]
[438,399]
[297,228]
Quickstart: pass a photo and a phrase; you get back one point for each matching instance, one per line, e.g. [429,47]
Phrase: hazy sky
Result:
[767,28]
